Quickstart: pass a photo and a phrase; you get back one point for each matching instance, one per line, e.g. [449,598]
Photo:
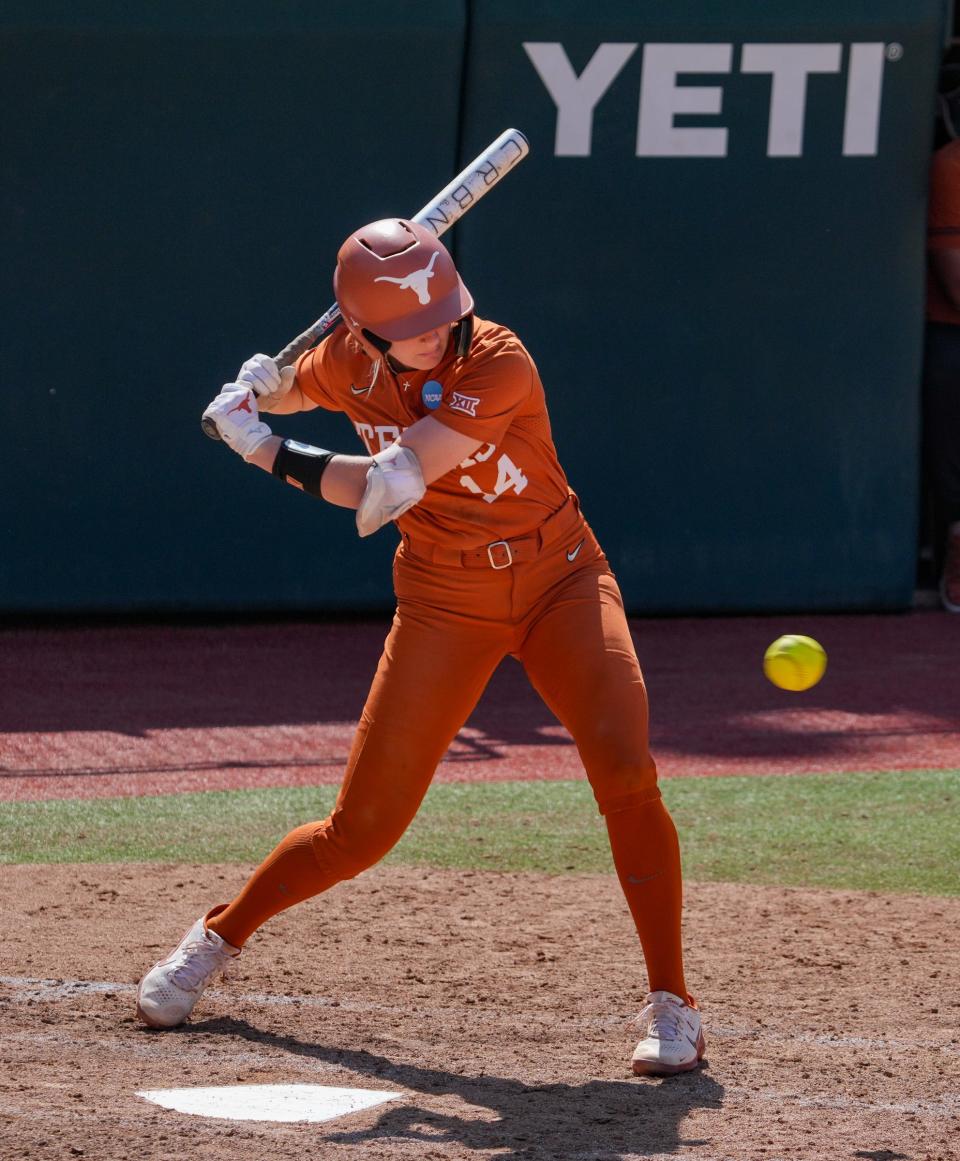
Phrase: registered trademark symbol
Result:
[894,51]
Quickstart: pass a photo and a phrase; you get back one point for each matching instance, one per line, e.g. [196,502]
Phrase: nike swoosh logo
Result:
[359,390]
[574,553]
[646,878]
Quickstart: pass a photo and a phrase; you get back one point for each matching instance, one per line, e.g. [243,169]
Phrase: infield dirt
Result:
[498,1005]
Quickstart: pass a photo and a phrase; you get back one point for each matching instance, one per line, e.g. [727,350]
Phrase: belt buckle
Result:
[490,556]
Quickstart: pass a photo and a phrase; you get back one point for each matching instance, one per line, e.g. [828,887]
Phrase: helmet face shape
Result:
[396,280]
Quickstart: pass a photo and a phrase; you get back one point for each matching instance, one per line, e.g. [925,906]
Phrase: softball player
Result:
[495,558]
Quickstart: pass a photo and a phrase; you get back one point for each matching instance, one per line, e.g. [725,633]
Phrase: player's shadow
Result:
[602,1119]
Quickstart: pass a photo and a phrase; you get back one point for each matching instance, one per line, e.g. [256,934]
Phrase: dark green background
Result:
[731,347]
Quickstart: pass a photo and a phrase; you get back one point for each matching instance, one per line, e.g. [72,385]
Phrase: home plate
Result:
[269,1102]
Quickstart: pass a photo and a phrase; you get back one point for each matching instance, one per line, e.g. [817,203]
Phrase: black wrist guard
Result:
[301,465]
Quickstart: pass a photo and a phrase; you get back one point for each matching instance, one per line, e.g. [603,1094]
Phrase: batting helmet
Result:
[395,280]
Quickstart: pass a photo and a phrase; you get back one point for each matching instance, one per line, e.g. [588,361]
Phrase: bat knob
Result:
[209,427]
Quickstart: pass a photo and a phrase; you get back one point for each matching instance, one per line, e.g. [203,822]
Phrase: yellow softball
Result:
[795,662]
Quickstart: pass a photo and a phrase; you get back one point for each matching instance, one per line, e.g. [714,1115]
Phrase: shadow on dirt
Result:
[601,1119]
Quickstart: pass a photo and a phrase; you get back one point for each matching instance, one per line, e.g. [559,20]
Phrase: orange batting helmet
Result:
[395,280]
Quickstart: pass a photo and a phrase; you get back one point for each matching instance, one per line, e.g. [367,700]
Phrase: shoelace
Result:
[201,958]
[662,1022]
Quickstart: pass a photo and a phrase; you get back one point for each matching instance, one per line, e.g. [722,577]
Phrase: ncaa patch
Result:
[465,403]
[432,394]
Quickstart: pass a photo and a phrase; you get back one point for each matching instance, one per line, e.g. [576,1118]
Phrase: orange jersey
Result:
[943,225]
[510,484]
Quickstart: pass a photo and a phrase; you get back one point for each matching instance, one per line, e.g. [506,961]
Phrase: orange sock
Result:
[646,854]
[288,875]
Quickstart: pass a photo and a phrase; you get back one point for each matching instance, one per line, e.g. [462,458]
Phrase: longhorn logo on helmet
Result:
[416,281]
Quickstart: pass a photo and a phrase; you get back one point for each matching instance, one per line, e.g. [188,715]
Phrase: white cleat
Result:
[169,990]
[672,1036]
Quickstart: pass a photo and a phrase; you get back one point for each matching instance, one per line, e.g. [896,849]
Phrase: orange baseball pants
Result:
[564,621]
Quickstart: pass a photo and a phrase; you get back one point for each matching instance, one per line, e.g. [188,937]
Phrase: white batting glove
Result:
[268,382]
[234,411]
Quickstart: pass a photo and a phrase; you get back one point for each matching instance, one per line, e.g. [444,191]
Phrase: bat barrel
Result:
[470,185]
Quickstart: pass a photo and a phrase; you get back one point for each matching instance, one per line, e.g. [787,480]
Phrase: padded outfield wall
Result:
[715,252]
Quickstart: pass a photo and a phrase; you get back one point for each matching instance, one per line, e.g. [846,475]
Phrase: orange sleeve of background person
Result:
[943,226]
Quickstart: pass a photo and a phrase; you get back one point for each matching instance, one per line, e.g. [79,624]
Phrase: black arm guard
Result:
[301,465]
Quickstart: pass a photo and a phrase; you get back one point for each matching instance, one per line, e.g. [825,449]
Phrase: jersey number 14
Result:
[508,474]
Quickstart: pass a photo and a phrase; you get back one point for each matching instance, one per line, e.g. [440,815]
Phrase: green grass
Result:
[891,831]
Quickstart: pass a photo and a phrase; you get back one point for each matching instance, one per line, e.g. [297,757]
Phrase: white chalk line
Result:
[934,1111]
[27,988]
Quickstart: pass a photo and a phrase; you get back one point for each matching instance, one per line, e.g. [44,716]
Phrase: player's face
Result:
[425,351]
